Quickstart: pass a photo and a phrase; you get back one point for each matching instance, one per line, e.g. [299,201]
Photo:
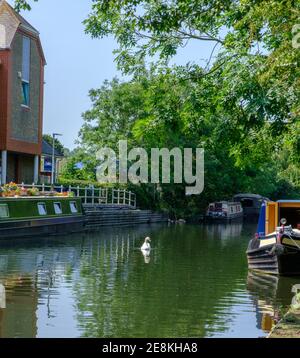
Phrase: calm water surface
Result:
[195,284]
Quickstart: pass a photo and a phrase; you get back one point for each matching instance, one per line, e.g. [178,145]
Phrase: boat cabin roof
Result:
[248,195]
[273,212]
[288,201]
[225,202]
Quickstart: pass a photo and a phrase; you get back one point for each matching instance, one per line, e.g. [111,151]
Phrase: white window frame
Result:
[75,206]
[7,211]
[44,205]
[60,208]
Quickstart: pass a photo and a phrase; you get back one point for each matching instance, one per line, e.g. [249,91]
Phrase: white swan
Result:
[146,245]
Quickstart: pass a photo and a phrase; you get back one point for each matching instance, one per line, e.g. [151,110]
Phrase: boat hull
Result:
[41,227]
[40,216]
[234,217]
[274,258]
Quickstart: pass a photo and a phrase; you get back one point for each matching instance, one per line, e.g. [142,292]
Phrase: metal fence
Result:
[92,195]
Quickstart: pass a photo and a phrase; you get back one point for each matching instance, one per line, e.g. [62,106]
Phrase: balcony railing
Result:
[91,195]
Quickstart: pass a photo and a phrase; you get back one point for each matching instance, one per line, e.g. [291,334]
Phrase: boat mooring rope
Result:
[294,242]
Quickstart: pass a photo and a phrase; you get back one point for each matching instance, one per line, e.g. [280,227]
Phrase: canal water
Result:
[194,284]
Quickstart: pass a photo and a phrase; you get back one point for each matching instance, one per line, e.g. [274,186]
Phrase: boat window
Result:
[4,213]
[73,207]
[42,209]
[57,208]
[292,215]
[247,203]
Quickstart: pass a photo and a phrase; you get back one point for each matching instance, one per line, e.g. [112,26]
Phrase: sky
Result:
[76,63]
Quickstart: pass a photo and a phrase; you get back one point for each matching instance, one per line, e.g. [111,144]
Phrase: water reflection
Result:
[2,297]
[224,230]
[18,314]
[146,255]
[97,284]
[271,296]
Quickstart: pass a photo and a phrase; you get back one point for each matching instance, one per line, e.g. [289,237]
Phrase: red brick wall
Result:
[7,143]
[4,83]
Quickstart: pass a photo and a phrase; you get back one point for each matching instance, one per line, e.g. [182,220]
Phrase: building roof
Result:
[10,22]
[23,23]
[47,149]
[248,195]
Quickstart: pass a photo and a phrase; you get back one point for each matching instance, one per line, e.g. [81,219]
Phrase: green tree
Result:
[162,110]
[23,5]
[254,38]
[57,143]
[79,166]
[243,107]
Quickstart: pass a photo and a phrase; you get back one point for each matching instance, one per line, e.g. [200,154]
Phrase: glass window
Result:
[26,71]
[42,209]
[4,213]
[73,207]
[57,208]
[25,93]
[26,59]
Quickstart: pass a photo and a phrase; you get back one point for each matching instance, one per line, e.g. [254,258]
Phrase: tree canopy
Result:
[161,110]
[22,5]
[243,106]
[253,37]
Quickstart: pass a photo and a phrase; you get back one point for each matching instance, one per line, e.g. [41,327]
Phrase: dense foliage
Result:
[243,107]
[164,110]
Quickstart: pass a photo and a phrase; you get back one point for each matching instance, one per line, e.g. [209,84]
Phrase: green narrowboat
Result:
[37,216]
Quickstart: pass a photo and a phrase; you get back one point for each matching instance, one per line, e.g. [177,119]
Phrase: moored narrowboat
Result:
[251,203]
[276,246]
[224,211]
[36,216]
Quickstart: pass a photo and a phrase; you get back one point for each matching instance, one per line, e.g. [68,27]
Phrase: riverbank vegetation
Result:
[242,106]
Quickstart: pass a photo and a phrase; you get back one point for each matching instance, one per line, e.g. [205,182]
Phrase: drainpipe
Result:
[36,169]
[4,166]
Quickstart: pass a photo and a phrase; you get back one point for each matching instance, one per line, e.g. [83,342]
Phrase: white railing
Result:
[91,195]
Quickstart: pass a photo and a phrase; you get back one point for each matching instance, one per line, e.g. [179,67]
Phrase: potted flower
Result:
[23,192]
[17,192]
[33,192]
[10,190]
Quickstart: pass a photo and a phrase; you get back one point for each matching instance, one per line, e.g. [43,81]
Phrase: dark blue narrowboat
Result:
[275,249]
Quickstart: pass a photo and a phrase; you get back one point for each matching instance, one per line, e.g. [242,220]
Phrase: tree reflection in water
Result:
[98,285]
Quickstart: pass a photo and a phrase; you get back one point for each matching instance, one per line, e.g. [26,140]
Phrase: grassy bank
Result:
[289,326]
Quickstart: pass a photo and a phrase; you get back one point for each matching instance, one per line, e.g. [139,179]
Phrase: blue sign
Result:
[47,165]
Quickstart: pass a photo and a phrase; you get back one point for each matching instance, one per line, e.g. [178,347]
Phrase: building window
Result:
[26,72]
[57,208]
[42,209]
[25,94]
[4,213]
[73,207]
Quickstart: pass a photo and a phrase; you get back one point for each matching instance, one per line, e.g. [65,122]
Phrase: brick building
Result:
[21,97]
